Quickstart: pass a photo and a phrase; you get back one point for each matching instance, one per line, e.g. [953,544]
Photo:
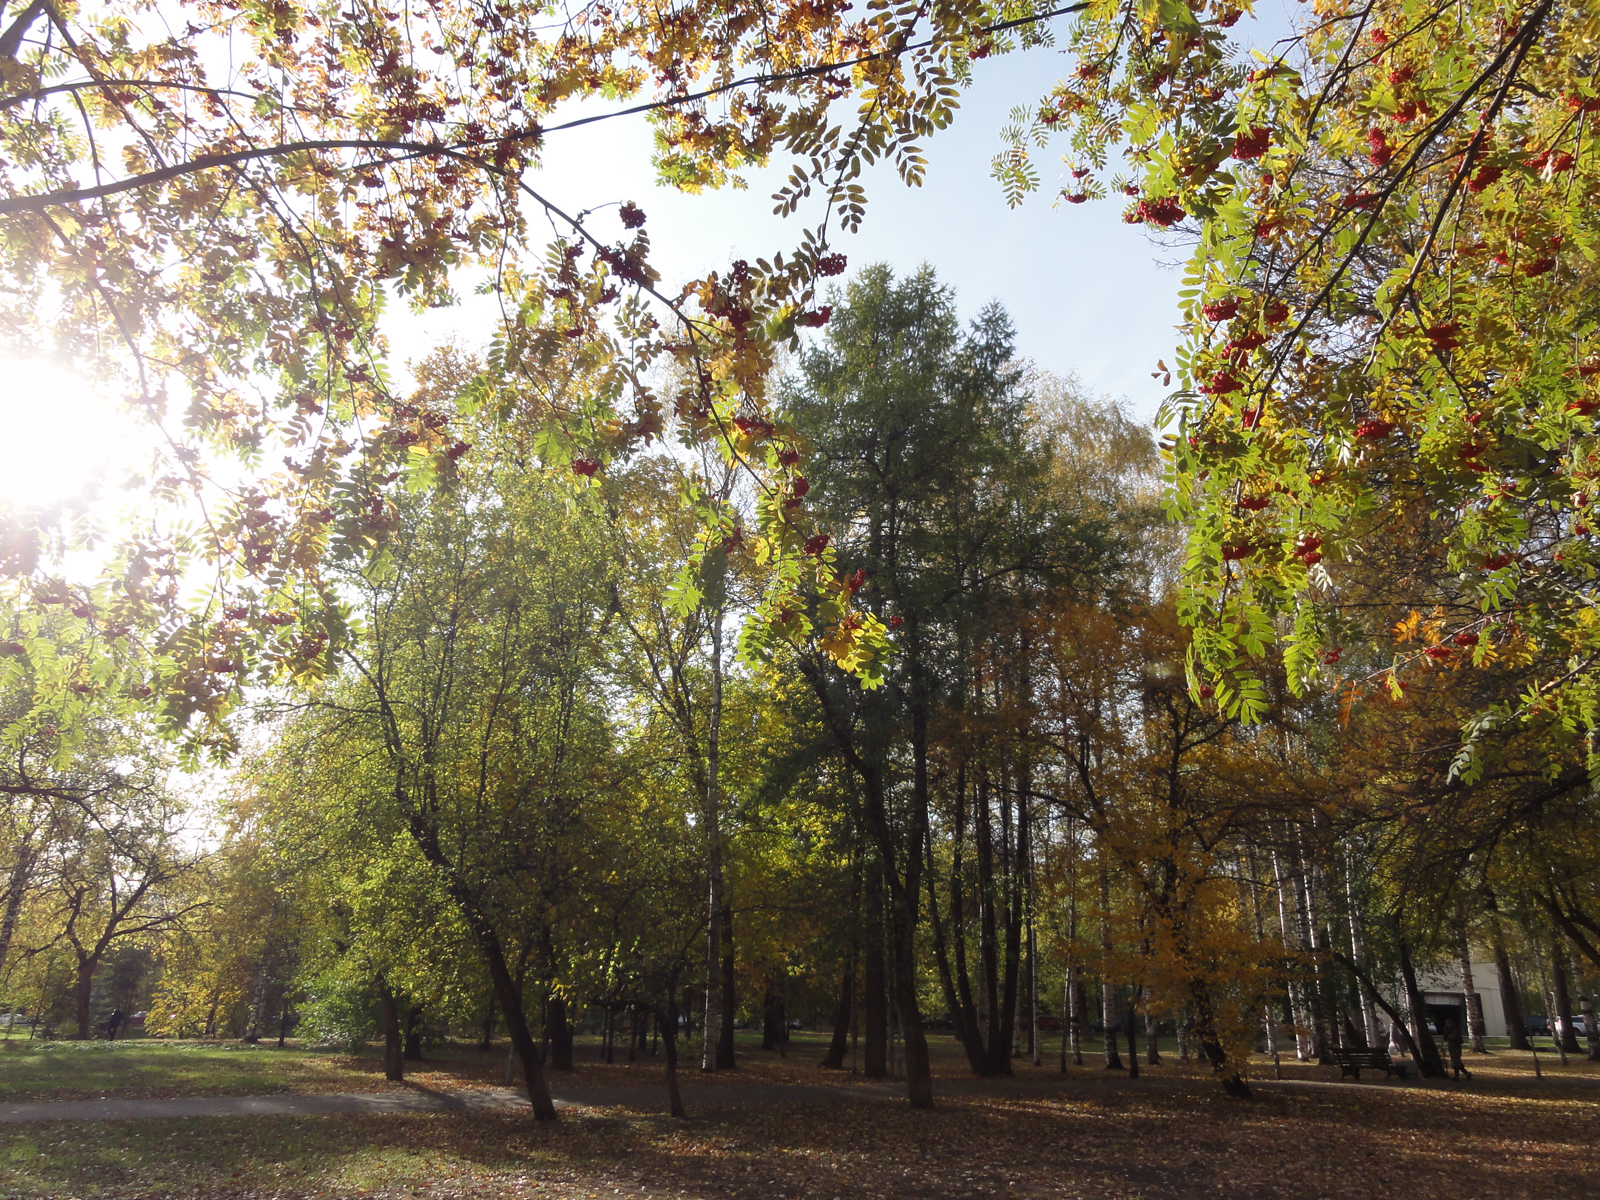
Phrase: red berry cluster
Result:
[1163,212]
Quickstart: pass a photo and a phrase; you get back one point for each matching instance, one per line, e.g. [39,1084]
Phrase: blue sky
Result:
[1087,292]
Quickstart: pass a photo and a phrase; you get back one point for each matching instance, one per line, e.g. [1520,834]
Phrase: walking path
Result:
[644,1099]
[420,1099]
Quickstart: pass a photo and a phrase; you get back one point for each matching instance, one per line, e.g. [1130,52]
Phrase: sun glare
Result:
[64,439]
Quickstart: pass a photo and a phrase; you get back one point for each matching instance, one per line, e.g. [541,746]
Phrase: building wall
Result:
[1445,988]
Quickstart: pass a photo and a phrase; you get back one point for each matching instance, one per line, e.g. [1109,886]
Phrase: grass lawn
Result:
[140,1069]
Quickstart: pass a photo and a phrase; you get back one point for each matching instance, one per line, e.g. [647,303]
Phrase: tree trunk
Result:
[1470,992]
[1108,995]
[1298,1013]
[1591,1031]
[258,1004]
[559,1031]
[1133,1036]
[413,1051]
[714,905]
[774,1020]
[875,1056]
[16,886]
[1152,1034]
[1369,1012]
[84,994]
[1516,1028]
[389,1012]
[1563,997]
[834,1060]
[730,999]
[488,1026]
[674,1096]
[1429,1065]
[488,940]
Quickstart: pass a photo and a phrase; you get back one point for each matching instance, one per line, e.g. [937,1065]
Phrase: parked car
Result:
[1049,1024]
[1536,1026]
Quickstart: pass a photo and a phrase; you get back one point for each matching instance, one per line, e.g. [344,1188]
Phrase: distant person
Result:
[115,1023]
[1452,1039]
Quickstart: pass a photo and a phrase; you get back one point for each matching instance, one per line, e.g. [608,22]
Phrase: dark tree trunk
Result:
[488,1026]
[674,1096]
[953,974]
[1429,1065]
[875,1006]
[414,1034]
[1133,1036]
[775,1016]
[1511,1003]
[84,995]
[559,1030]
[730,1005]
[837,1048]
[488,940]
[1563,991]
[389,1014]
[1205,1031]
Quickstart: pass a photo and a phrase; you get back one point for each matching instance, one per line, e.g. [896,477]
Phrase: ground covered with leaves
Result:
[1168,1134]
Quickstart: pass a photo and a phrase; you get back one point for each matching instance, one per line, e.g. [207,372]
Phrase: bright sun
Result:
[65,438]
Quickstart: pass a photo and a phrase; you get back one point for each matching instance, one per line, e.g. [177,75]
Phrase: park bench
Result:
[1351,1062]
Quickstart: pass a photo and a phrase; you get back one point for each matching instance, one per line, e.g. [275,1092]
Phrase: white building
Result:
[1443,997]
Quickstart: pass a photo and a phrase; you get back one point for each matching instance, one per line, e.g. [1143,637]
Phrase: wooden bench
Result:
[1351,1062]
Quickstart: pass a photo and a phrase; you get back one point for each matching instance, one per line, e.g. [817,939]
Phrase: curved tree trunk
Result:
[1429,1064]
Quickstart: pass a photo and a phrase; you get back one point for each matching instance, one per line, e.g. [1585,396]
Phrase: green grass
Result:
[139,1068]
